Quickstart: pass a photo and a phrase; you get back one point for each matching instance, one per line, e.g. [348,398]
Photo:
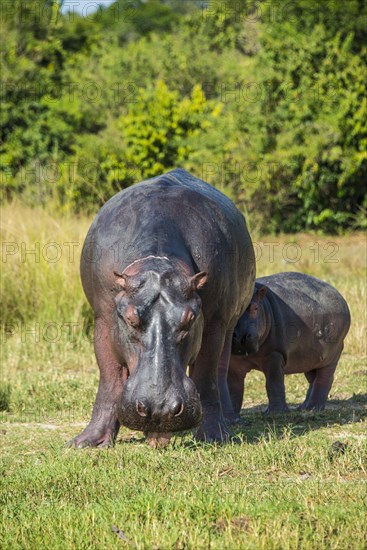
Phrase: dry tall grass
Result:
[40,265]
[40,268]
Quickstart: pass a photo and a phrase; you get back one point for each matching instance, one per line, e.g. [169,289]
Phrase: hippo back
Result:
[308,314]
[173,215]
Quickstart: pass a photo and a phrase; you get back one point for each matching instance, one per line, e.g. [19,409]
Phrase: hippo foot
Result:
[94,437]
[276,409]
[316,407]
[80,443]
[158,440]
[213,428]
[232,418]
[213,434]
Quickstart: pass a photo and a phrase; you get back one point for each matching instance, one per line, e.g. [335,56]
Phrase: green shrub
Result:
[266,101]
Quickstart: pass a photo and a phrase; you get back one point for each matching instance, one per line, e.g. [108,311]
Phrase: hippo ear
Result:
[198,281]
[121,279]
[260,294]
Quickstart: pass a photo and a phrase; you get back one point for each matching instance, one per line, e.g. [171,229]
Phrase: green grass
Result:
[292,481]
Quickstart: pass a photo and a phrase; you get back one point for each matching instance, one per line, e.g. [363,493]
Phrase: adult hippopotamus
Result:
[168,268]
[295,323]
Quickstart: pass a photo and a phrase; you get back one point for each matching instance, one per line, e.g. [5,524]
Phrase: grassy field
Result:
[291,481]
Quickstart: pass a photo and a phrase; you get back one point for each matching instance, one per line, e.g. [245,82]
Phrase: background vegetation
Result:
[266,100]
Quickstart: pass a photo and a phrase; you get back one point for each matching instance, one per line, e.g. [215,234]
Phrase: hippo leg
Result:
[104,426]
[321,381]
[311,375]
[274,373]
[236,386]
[227,405]
[205,376]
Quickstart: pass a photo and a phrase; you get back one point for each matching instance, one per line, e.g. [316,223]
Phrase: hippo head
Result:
[250,326]
[160,326]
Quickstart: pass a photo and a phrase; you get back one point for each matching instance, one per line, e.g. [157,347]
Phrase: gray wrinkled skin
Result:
[295,323]
[168,268]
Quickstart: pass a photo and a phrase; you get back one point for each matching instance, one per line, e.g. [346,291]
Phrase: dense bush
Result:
[265,100]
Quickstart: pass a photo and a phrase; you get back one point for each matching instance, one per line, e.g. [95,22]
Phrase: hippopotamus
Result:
[294,323]
[168,267]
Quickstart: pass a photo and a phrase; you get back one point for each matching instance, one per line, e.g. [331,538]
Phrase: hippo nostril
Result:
[141,409]
[177,408]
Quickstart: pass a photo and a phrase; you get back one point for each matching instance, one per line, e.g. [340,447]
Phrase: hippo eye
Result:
[187,319]
[182,335]
[132,317]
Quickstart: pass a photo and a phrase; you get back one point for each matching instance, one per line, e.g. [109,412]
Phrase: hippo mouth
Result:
[237,350]
[251,349]
[245,349]
[187,420]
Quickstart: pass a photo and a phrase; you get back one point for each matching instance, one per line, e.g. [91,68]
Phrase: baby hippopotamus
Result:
[294,323]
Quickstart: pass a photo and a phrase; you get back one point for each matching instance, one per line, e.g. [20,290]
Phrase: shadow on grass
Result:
[254,424]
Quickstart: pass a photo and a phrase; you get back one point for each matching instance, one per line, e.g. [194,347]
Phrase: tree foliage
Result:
[266,100]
